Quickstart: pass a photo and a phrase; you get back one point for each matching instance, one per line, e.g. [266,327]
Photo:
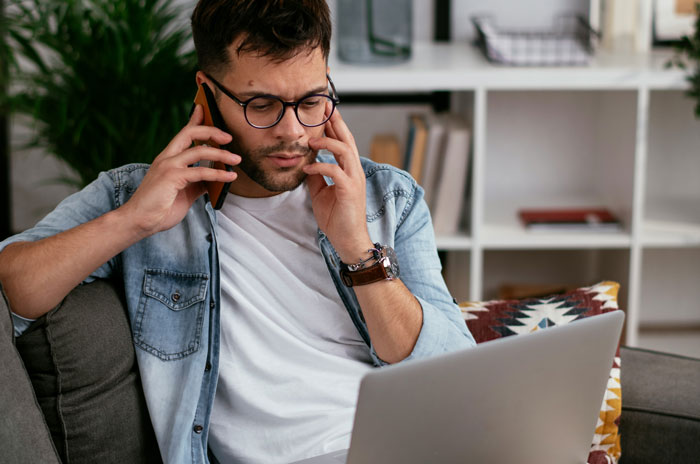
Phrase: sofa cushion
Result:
[81,361]
[24,436]
[500,318]
[661,414]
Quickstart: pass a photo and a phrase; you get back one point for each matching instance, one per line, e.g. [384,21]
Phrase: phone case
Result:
[212,117]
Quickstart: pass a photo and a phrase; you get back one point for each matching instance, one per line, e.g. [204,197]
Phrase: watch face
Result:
[393,268]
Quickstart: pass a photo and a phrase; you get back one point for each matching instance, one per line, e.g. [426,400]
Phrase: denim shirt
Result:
[171,280]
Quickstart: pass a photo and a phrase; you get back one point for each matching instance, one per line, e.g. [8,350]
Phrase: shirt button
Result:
[209,238]
[175,297]
[212,304]
[198,428]
[207,367]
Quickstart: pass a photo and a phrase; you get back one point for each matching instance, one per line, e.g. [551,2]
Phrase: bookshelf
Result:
[618,133]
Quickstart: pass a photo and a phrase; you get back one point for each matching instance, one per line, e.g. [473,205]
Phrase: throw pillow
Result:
[81,361]
[489,320]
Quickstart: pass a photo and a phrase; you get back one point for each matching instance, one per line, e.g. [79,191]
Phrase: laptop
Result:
[522,399]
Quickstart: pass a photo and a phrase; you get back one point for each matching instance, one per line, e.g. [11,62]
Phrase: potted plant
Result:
[107,82]
[688,55]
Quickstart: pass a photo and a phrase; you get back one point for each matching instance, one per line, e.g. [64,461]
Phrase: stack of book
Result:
[437,151]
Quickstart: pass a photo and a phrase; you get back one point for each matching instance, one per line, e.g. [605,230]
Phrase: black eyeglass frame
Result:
[294,104]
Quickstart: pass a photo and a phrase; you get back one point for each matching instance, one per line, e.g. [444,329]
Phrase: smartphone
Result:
[212,117]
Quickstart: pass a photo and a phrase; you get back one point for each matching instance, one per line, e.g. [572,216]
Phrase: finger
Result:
[340,129]
[333,171]
[328,127]
[196,190]
[206,133]
[203,152]
[315,183]
[347,159]
[190,134]
[197,116]
[329,131]
[200,174]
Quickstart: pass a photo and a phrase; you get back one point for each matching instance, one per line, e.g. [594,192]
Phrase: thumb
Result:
[315,183]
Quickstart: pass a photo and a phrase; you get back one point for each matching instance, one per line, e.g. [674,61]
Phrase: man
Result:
[254,323]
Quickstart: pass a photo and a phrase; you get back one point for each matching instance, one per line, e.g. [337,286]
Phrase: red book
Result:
[569,218]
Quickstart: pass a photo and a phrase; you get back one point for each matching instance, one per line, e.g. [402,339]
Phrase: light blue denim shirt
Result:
[172,287]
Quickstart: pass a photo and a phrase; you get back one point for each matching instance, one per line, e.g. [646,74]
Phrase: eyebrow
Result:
[253,93]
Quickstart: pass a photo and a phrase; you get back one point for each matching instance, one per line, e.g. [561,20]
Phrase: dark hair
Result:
[279,29]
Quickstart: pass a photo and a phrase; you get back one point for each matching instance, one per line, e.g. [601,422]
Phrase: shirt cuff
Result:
[21,324]
[438,334]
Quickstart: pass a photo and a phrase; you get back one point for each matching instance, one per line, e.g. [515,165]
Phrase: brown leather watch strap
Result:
[374,273]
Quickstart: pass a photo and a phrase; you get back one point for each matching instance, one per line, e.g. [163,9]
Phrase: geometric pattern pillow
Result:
[488,320]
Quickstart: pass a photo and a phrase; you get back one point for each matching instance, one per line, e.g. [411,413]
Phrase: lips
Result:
[286,160]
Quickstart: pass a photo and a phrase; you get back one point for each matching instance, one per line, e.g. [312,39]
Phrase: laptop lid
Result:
[519,399]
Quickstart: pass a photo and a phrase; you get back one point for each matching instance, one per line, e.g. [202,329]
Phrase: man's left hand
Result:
[340,209]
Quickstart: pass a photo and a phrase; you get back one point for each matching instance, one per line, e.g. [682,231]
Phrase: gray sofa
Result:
[71,391]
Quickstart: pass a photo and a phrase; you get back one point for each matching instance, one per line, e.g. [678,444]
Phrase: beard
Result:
[278,179]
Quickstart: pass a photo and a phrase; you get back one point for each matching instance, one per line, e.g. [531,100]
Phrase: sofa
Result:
[71,391]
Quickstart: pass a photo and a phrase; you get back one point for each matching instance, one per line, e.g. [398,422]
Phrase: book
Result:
[434,149]
[415,146]
[448,203]
[575,219]
[384,148]
[685,7]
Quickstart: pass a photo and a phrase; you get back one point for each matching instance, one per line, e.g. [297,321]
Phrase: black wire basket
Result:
[570,42]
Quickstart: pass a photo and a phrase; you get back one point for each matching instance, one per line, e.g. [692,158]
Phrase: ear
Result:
[201,78]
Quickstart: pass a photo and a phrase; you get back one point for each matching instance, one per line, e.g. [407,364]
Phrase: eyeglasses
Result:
[264,111]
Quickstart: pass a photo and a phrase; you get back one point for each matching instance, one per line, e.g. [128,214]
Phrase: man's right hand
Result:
[36,276]
[171,187]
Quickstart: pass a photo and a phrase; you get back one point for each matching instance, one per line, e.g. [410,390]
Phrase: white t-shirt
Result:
[291,358]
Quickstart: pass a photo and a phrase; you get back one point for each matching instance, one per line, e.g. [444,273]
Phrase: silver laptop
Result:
[521,399]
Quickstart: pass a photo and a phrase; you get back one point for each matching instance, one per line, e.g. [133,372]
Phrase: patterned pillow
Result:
[489,320]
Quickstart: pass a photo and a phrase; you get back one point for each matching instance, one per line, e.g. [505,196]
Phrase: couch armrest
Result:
[660,419]
[24,436]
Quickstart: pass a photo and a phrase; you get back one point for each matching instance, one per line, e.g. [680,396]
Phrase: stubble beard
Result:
[279,179]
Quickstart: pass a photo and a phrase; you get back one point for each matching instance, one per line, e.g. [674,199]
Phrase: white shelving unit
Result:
[618,133]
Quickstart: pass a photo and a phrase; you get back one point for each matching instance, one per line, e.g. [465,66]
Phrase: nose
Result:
[289,128]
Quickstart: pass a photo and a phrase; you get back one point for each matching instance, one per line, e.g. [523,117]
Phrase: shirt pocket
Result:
[170,313]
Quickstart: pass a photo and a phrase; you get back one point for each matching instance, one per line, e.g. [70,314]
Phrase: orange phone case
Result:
[212,117]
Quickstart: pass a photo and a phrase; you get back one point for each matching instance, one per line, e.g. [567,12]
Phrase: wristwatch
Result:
[382,265]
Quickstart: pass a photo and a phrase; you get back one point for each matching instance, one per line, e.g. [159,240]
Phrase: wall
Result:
[33,173]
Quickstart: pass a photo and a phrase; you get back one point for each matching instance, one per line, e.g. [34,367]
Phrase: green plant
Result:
[108,82]
[688,54]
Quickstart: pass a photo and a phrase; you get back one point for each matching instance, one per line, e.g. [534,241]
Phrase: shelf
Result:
[453,242]
[667,234]
[618,133]
[504,237]
[460,66]
[669,223]
[516,237]
[503,230]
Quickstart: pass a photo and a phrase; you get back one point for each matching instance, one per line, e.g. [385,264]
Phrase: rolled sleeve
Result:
[438,334]
[20,324]
[443,328]
[90,203]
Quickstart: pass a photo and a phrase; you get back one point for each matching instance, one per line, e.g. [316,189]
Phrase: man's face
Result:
[272,158]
